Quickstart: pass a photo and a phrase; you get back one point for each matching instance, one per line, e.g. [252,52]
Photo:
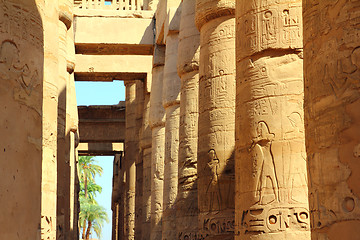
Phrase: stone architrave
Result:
[157,124]
[332,120]
[188,70]
[271,176]
[216,132]
[145,146]
[130,158]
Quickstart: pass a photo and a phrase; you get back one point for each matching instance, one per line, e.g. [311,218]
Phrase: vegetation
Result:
[92,215]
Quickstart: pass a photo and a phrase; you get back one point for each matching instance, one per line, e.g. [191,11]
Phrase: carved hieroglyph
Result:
[171,102]
[157,124]
[271,184]
[188,70]
[332,103]
[216,132]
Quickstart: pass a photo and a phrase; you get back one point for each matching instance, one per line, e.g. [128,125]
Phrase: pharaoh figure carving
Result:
[213,189]
[267,189]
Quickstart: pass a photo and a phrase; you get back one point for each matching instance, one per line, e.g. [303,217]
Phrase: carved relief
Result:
[16,21]
[213,188]
[267,188]
[11,67]
[47,231]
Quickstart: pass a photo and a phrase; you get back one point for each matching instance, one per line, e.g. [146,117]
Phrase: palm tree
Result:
[92,190]
[94,215]
[87,172]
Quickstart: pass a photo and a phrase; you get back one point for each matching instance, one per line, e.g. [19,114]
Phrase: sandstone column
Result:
[216,134]
[271,177]
[171,103]
[332,103]
[28,113]
[130,157]
[157,124]
[188,70]
[145,146]
[139,160]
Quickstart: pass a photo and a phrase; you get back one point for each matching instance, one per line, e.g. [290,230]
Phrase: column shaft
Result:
[157,124]
[332,122]
[216,132]
[271,188]
[188,70]
[171,102]
[130,158]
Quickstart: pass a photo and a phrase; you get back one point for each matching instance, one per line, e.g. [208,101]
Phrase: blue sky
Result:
[102,93]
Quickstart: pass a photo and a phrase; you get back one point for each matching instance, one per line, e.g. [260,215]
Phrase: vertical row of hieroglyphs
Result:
[171,103]
[157,124]
[130,157]
[139,159]
[271,176]
[188,70]
[216,133]
[63,156]
[332,120]
[145,147]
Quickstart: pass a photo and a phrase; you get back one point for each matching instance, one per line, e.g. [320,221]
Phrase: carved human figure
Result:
[261,146]
[213,189]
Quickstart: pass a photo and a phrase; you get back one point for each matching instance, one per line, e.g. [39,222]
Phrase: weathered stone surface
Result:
[332,102]
[157,124]
[187,67]
[216,132]
[131,151]
[271,187]
[171,103]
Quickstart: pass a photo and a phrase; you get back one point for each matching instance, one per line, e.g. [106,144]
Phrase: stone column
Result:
[332,103]
[145,146]
[216,133]
[116,196]
[188,70]
[28,119]
[157,124]
[271,186]
[139,160]
[130,158]
[171,103]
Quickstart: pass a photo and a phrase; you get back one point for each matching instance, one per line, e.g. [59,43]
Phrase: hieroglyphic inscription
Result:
[47,228]
[20,24]
[217,226]
[275,219]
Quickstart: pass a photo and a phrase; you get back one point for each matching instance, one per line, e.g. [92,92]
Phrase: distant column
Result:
[139,160]
[157,124]
[216,133]
[171,103]
[188,70]
[332,120]
[130,157]
[145,146]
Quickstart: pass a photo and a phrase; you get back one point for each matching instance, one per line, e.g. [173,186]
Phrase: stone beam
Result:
[95,33]
[128,67]
[102,123]
[100,149]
